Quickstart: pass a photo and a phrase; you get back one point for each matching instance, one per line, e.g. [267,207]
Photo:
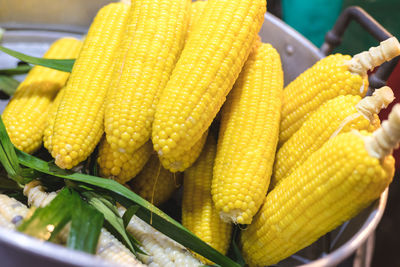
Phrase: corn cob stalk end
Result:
[375,56]
[385,139]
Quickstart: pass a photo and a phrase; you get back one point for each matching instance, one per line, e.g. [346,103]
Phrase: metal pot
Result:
[33,24]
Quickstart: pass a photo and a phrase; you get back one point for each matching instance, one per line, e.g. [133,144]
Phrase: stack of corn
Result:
[146,87]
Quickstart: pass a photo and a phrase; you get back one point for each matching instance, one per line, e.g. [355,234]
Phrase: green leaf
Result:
[1,33]
[111,215]
[20,69]
[149,213]
[57,64]
[48,221]
[237,255]
[8,84]
[129,214]
[85,228]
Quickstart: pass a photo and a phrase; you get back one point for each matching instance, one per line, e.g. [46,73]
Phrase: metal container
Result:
[33,24]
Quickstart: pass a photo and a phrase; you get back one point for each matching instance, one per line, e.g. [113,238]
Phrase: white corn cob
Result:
[162,251]
[11,212]
[109,248]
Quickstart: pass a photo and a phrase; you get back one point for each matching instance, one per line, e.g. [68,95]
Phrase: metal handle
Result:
[334,37]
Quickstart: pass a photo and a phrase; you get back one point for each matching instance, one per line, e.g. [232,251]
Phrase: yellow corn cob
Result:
[154,39]
[342,113]
[78,125]
[196,12]
[199,214]
[26,114]
[48,129]
[154,183]
[183,160]
[248,137]
[109,248]
[122,166]
[161,250]
[335,183]
[332,76]
[213,56]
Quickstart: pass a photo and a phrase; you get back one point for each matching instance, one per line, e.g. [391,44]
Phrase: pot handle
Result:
[333,38]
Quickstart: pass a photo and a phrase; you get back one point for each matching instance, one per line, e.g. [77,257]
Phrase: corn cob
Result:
[161,250]
[248,137]
[342,113]
[332,76]
[122,166]
[108,248]
[48,129]
[26,114]
[335,183]
[154,39]
[154,183]
[183,160]
[196,12]
[78,125]
[12,212]
[213,56]
[199,214]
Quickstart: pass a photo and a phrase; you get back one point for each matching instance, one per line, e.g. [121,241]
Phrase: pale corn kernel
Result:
[161,250]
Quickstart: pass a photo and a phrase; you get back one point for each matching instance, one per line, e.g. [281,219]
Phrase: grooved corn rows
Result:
[27,112]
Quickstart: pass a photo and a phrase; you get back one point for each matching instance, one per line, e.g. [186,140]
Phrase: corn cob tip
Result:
[385,139]
[371,105]
[374,57]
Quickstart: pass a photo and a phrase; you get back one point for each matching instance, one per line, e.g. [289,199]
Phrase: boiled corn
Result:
[122,166]
[108,248]
[341,114]
[180,162]
[332,76]
[26,114]
[152,44]
[199,214]
[334,184]
[161,250]
[248,137]
[213,56]
[154,183]
[78,124]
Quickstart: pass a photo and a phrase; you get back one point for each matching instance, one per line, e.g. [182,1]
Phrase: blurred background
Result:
[313,18]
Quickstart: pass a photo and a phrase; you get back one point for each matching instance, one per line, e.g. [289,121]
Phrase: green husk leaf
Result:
[237,255]
[47,222]
[1,33]
[20,69]
[129,214]
[112,217]
[85,228]
[8,85]
[57,64]
[149,213]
